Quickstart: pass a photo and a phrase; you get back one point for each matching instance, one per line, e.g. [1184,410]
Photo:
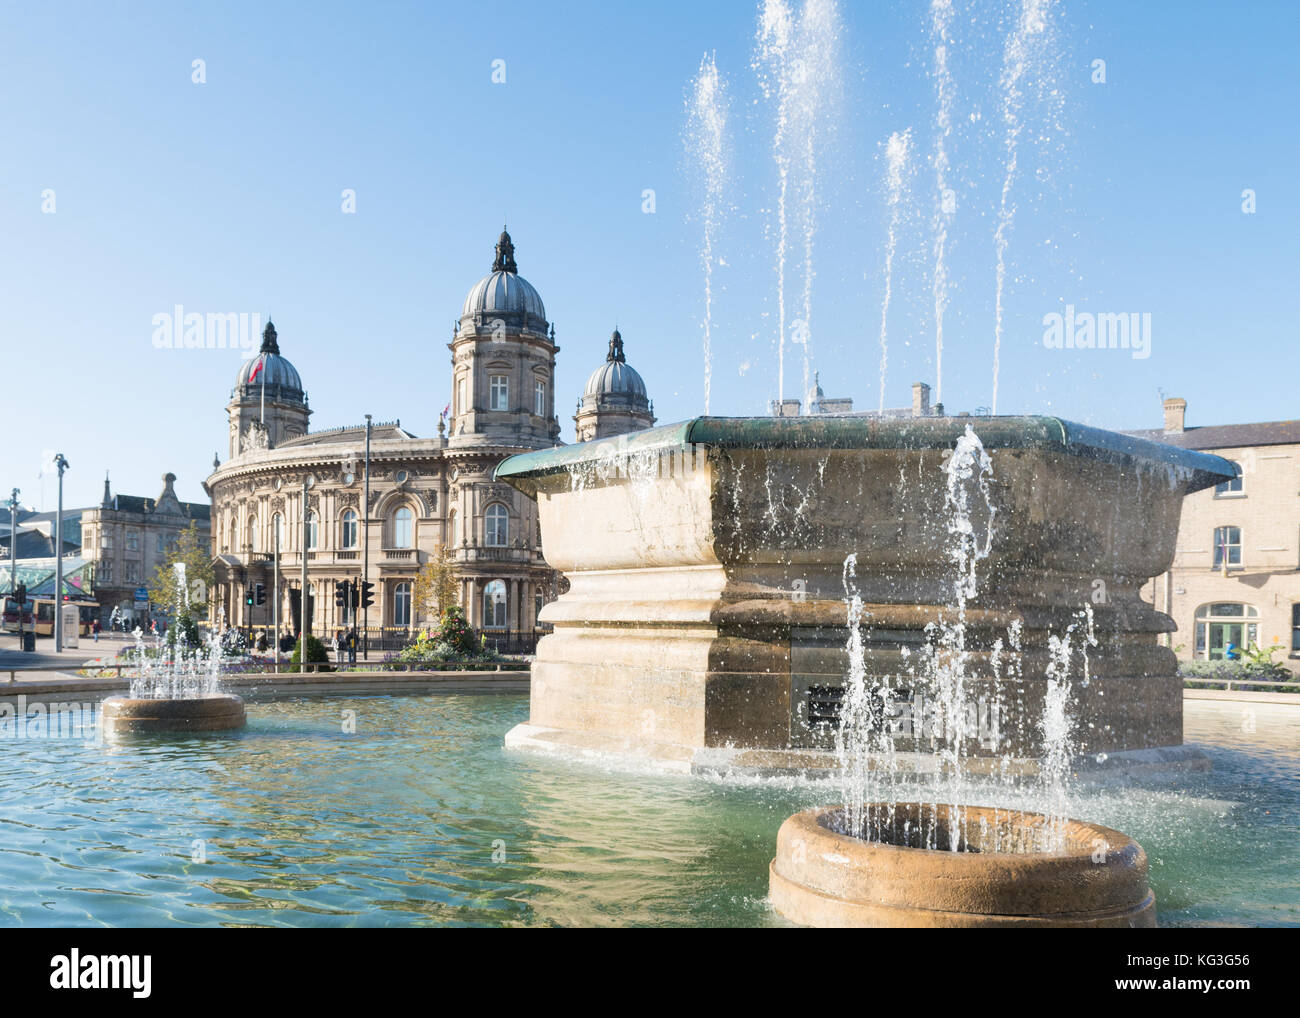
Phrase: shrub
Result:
[316,655]
[453,640]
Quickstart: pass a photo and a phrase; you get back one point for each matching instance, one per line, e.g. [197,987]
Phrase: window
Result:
[133,540]
[162,544]
[349,529]
[1295,627]
[1232,487]
[494,605]
[402,604]
[105,571]
[1227,546]
[453,527]
[106,541]
[461,406]
[498,526]
[1225,629]
[252,533]
[539,398]
[500,389]
[313,529]
[230,537]
[131,572]
[537,607]
[402,528]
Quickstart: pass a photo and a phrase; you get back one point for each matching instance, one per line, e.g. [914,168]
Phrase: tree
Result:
[436,585]
[165,590]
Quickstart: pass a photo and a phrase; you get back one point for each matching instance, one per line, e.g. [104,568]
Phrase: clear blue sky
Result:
[225,196]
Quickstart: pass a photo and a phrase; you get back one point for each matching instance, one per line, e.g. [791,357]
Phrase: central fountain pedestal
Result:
[706,629]
[218,712]
[998,876]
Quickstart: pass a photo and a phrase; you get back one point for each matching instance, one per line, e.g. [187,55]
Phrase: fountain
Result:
[176,692]
[705,630]
[705,626]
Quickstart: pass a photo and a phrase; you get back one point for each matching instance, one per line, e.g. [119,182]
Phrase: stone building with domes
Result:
[614,400]
[426,494]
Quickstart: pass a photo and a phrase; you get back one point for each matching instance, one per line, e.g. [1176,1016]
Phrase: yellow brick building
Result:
[1235,581]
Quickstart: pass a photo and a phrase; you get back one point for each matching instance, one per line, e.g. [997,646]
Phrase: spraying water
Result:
[940,20]
[798,64]
[896,156]
[1026,35]
[706,128]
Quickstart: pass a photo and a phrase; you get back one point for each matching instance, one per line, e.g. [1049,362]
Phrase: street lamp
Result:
[62,464]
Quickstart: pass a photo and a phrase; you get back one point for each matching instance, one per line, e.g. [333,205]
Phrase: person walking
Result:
[339,641]
[94,628]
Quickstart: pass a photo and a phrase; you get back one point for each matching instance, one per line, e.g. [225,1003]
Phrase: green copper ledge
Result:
[1202,469]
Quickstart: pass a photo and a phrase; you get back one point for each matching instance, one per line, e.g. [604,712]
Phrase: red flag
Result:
[253,374]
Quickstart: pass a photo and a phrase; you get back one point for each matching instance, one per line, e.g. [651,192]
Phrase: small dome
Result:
[274,370]
[615,377]
[504,291]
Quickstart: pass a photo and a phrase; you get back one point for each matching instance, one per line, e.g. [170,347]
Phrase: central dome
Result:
[504,291]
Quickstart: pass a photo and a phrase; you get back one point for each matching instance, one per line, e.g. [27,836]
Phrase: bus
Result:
[9,616]
[44,607]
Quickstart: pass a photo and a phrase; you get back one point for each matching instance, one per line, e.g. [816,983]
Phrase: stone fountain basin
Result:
[706,607]
[218,712]
[823,878]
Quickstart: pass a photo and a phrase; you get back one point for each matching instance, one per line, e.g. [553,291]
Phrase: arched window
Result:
[402,604]
[497,522]
[494,605]
[1232,487]
[232,534]
[313,531]
[349,531]
[252,534]
[402,528]
[1227,546]
[1226,629]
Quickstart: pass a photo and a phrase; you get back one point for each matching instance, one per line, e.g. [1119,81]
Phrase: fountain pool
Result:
[421,817]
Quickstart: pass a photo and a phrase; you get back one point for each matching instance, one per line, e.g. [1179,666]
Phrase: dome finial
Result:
[505,259]
[269,344]
[616,348]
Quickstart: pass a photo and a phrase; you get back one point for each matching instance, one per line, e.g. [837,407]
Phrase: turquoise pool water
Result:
[420,817]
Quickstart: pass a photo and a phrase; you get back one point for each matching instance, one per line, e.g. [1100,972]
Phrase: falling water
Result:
[940,19]
[896,156]
[1029,30]
[706,128]
[170,670]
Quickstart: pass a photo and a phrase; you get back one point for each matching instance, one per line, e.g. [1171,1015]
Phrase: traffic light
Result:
[354,594]
[367,594]
[248,597]
[20,595]
[342,594]
[259,594]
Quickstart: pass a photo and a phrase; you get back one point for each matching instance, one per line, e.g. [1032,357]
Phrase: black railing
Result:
[382,640]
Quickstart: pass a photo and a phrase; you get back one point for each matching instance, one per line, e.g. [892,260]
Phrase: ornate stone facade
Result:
[426,494]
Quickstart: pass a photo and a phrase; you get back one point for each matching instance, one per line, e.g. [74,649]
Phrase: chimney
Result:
[1175,413]
[784,408]
[920,399]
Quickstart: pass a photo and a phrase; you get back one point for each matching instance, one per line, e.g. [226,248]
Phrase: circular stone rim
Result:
[819,872]
[215,712]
